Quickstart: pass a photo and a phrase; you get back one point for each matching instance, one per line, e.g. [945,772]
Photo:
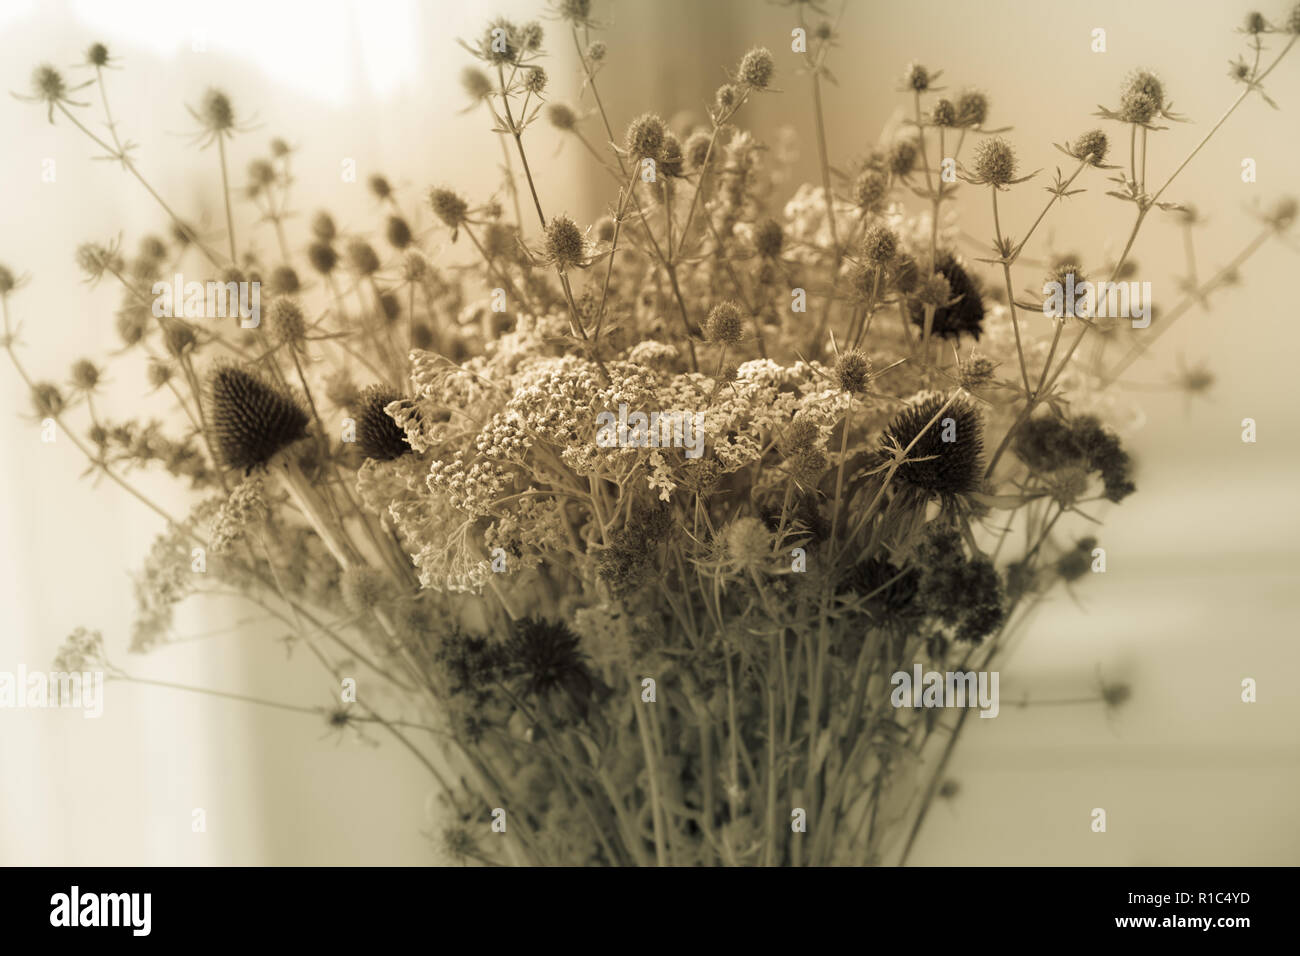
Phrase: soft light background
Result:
[1202,562]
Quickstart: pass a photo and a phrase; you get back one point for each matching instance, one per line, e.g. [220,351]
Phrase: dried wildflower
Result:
[83,650]
[972,108]
[380,187]
[47,400]
[1092,146]
[597,51]
[323,228]
[287,324]
[179,337]
[449,207]
[244,510]
[8,282]
[747,544]
[975,372]
[725,324]
[756,68]
[944,113]
[535,80]
[870,189]
[994,163]
[1063,278]
[852,372]
[86,375]
[645,136]
[97,55]
[251,418]
[1282,214]
[95,259]
[769,238]
[49,87]
[323,257]
[378,436]
[947,455]
[216,114]
[362,257]
[726,98]
[604,229]
[1142,98]
[546,658]
[158,373]
[697,149]
[363,589]
[279,148]
[1293,20]
[671,161]
[917,78]
[564,244]
[963,313]
[398,232]
[902,157]
[1255,23]
[562,116]
[284,281]
[1050,444]
[880,245]
[476,84]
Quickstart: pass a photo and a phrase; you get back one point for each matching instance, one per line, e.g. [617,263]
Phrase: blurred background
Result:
[1199,592]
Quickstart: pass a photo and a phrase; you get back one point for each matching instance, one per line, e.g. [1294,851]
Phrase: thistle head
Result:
[535,80]
[564,244]
[870,189]
[323,257]
[47,400]
[476,84]
[994,162]
[756,68]
[288,325]
[947,444]
[1091,146]
[97,55]
[959,305]
[645,136]
[378,436]
[944,113]
[880,245]
[1142,97]
[216,112]
[852,371]
[972,108]
[323,228]
[380,187]
[562,116]
[362,257]
[450,208]
[769,237]
[48,84]
[697,149]
[725,324]
[252,419]
[916,78]
[398,232]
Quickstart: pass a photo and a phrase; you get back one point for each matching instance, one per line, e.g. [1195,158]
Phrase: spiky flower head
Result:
[1142,97]
[564,244]
[852,371]
[880,245]
[288,326]
[756,68]
[562,116]
[577,12]
[398,232]
[747,544]
[597,51]
[47,400]
[547,658]
[725,324]
[972,108]
[605,229]
[95,259]
[252,419]
[975,372]
[362,257]
[902,156]
[8,281]
[323,257]
[697,148]
[322,227]
[378,436]
[965,316]
[1255,23]
[535,80]
[97,55]
[1092,146]
[1293,21]
[380,186]
[86,375]
[944,113]
[284,281]
[726,98]
[48,84]
[448,207]
[476,84]
[216,112]
[917,78]
[769,237]
[995,161]
[947,457]
[645,136]
[870,188]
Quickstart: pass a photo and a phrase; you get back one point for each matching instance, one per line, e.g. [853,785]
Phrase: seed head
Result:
[378,436]
[747,543]
[398,233]
[935,291]
[727,97]
[756,68]
[671,160]
[380,186]
[645,136]
[975,372]
[95,259]
[449,207]
[605,229]
[323,257]
[917,78]
[47,400]
[947,456]
[944,113]
[697,148]
[725,324]
[597,51]
[870,188]
[995,161]
[97,55]
[852,371]
[279,148]
[1091,146]
[85,375]
[288,324]
[562,116]
[1255,23]
[564,243]
[1282,214]
[476,84]
[535,80]
[972,108]
[902,157]
[905,273]
[363,257]
[178,337]
[252,418]
[158,373]
[216,111]
[965,316]
[322,227]
[1142,97]
[769,237]
[48,84]
[880,245]
[577,12]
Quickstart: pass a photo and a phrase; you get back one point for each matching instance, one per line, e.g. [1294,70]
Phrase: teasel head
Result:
[964,312]
[398,233]
[97,55]
[697,148]
[252,418]
[47,400]
[378,436]
[380,187]
[947,457]
[917,79]
[994,163]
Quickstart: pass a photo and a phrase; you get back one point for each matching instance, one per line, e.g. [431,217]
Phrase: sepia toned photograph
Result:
[650,433]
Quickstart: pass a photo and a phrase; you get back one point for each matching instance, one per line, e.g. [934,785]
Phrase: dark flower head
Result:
[880,245]
[870,188]
[995,162]
[671,160]
[1293,21]
[8,281]
[564,244]
[216,112]
[645,136]
[380,186]
[48,84]
[476,84]
[252,419]
[97,55]
[944,113]
[378,436]
[756,68]
[47,400]
[449,207]
[917,78]
[399,233]
[323,228]
[726,98]
[1051,444]
[562,116]
[86,375]
[577,12]
[697,148]
[1092,146]
[965,316]
[972,108]
[284,281]
[535,80]
[769,237]
[725,324]
[323,257]
[545,656]
[1255,23]
[287,324]
[947,458]
[902,157]
[852,371]
[363,257]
